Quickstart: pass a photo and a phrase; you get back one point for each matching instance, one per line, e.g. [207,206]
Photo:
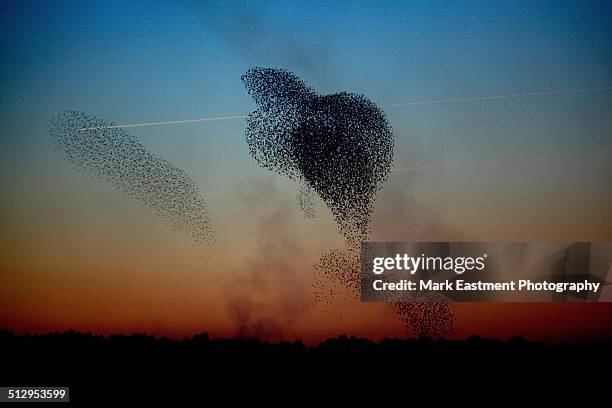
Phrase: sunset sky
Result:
[76,253]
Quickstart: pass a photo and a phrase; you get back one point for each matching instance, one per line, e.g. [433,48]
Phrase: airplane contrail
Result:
[169,122]
[508,96]
[390,105]
[398,169]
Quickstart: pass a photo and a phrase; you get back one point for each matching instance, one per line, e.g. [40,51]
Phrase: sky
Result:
[76,253]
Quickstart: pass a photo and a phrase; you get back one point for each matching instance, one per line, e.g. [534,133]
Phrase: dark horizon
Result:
[204,336]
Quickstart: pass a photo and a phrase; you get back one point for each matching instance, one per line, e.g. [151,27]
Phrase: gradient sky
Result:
[77,253]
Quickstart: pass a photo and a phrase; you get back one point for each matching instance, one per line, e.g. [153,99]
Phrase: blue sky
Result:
[148,61]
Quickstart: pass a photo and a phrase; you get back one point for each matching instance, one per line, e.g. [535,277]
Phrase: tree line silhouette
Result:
[94,365]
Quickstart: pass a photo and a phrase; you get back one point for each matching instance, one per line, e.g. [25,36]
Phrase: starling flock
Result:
[340,147]
[114,156]
[337,146]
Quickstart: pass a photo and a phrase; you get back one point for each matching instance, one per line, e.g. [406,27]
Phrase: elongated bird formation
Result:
[114,156]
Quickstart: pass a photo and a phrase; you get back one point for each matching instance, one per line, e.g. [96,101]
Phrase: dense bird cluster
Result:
[114,156]
[339,145]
